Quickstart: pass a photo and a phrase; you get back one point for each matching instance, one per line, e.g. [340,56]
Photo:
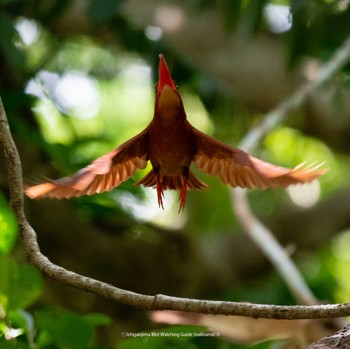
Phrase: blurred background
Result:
[77,79]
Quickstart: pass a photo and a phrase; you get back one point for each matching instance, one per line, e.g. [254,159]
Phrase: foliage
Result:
[8,226]
[21,287]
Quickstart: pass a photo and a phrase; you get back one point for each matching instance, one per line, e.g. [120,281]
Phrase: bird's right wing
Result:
[103,174]
[239,169]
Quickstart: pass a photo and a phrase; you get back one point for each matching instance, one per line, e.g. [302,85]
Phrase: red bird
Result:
[171,144]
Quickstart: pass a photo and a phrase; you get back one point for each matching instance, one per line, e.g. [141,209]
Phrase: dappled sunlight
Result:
[54,127]
[147,210]
[196,112]
[153,32]
[305,195]
[77,94]
[103,114]
[127,105]
[340,246]
[169,17]
[74,94]
[43,84]
[288,147]
[28,30]
[113,105]
[278,17]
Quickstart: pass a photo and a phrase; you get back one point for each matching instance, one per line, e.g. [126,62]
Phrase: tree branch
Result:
[262,236]
[339,340]
[157,302]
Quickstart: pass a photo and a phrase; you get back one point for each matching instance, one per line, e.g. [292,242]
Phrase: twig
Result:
[263,237]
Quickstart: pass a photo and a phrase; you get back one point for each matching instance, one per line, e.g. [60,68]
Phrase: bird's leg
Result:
[159,187]
[183,190]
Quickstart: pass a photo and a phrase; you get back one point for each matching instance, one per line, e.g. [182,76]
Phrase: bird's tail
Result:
[171,182]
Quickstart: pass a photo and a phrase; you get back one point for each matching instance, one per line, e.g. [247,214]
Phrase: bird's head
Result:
[166,91]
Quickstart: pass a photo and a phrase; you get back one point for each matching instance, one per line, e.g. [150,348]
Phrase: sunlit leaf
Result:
[8,226]
[290,147]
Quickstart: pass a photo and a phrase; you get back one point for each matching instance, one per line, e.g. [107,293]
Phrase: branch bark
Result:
[157,302]
[339,340]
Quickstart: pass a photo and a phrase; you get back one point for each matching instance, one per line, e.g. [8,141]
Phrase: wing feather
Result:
[239,169]
[103,174]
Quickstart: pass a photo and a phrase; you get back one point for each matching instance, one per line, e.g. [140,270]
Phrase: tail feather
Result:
[172,182]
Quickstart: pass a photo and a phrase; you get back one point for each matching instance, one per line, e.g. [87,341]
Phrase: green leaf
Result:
[20,286]
[97,319]
[68,330]
[8,226]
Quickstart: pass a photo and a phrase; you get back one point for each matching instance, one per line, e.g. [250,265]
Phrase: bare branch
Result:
[262,236]
[157,302]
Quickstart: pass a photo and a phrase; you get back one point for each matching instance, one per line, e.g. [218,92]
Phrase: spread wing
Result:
[103,174]
[239,169]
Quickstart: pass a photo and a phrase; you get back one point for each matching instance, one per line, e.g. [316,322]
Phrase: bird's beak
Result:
[164,75]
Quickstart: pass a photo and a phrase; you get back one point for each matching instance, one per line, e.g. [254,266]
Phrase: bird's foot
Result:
[160,192]
[183,193]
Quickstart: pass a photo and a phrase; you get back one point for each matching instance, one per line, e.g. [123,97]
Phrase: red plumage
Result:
[171,144]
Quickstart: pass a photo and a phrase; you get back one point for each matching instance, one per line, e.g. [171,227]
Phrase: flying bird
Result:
[172,144]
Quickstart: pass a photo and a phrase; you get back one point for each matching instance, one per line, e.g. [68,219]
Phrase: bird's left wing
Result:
[103,174]
[239,169]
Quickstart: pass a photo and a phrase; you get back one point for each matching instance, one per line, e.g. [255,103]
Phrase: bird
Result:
[171,144]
